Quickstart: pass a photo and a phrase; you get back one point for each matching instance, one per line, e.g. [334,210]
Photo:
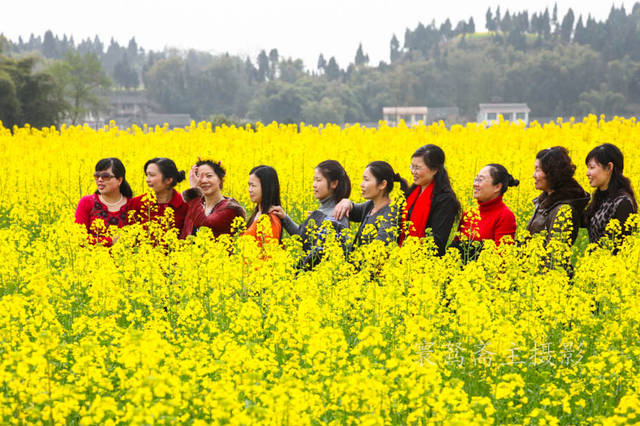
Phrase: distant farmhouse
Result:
[412,115]
[510,112]
[127,108]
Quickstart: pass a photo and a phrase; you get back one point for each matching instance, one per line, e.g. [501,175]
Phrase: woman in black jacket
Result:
[431,202]
[553,175]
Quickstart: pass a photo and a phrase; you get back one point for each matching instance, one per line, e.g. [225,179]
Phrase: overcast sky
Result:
[297,28]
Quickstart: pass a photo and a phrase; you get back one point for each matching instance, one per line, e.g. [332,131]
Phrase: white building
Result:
[410,115]
[510,112]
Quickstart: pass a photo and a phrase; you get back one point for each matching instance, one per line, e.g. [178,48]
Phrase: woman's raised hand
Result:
[342,209]
[278,211]
[193,176]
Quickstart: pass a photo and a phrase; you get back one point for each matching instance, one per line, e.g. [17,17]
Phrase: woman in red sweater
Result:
[108,206]
[494,220]
[206,205]
[162,176]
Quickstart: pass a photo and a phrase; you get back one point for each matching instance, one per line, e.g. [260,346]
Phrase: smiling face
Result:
[483,188]
[370,188]
[599,175]
[422,174]
[106,183]
[540,178]
[155,179]
[255,189]
[208,180]
[321,187]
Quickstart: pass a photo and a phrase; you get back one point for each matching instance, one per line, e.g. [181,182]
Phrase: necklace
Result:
[106,203]
[209,210]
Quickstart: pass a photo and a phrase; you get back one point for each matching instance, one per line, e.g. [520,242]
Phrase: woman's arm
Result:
[358,211]
[288,223]
[82,212]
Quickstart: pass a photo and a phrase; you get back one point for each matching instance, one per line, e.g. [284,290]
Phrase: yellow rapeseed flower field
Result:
[221,331]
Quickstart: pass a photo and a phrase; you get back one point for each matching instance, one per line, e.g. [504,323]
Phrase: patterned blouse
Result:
[617,207]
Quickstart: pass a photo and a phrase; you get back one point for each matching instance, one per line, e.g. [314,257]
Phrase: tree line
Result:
[558,65]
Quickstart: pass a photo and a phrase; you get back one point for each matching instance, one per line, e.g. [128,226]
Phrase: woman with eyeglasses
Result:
[431,202]
[109,204]
[495,220]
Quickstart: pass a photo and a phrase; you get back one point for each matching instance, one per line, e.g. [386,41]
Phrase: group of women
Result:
[431,206]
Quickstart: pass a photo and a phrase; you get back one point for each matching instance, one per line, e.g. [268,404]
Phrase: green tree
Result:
[326,110]
[124,74]
[361,59]
[566,28]
[27,97]
[322,63]
[394,49]
[80,79]
[166,83]
[602,101]
[279,101]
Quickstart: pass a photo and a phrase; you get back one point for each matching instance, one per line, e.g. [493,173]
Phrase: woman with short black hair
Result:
[553,175]
[378,217]
[110,202]
[207,207]
[331,184]
[495,221]
[614,197]
[162,176]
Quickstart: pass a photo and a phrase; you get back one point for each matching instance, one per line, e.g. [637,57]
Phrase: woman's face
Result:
[155,180]
[106,182]
[483,188]
[370,187]
[208,180]
[422,174]
[599,175]
[255,189]
[540,178]
[321,187]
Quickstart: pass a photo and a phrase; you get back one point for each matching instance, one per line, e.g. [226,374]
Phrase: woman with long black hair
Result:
[614,197]
[264,191]
[431,202]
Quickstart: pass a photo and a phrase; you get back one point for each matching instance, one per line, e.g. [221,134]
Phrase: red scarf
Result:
[421,202]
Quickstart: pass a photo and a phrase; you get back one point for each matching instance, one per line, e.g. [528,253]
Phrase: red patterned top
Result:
[91,209]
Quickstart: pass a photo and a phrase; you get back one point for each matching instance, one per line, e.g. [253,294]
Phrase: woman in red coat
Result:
[206,205]
[495,220]
[108,206]
[162,176]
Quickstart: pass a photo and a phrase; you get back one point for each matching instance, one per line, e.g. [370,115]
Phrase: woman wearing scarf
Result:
[431,202]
